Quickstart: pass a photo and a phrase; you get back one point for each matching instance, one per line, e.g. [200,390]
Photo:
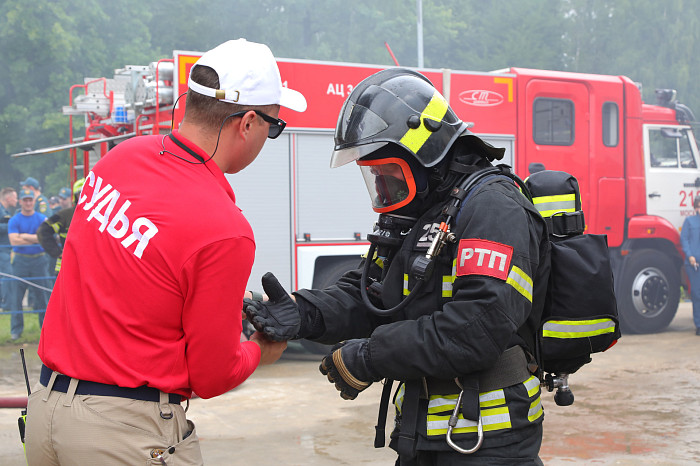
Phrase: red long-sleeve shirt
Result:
[153,273]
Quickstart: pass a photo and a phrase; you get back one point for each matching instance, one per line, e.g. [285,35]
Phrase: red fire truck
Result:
[636,163]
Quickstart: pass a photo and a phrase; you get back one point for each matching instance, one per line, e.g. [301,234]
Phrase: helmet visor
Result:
[350,154]
[389,181]
[356,127]
[356,124]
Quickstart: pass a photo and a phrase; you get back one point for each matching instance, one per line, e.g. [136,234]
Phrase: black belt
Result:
[94,388]
[511,368]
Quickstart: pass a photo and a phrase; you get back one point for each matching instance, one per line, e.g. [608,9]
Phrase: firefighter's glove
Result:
[278,318]
[348,366]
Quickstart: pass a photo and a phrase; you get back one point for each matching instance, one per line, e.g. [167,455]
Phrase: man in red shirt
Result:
[147,306]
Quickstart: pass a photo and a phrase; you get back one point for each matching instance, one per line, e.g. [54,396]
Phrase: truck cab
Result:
[637,167]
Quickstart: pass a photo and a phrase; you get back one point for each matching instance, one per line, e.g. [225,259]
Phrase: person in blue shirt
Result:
[8,203]
[29,262]
[41,204]
[690,241]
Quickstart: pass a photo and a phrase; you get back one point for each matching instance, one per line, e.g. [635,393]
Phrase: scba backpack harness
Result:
[580,314]
[580,311]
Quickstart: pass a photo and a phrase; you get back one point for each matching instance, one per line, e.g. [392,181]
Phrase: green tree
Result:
[49,46]
[650,42]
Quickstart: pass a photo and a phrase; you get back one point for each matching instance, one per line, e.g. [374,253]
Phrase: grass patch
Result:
[29,335]
[685,294]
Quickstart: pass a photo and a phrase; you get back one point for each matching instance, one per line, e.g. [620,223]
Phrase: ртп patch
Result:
[483,257]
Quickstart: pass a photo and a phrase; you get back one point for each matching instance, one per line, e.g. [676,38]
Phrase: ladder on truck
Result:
[138,100]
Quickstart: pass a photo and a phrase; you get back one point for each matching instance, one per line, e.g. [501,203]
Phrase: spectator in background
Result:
[41,204]
[65,197]
[690,241]
[53,203]
[8,203]
[29,262]
[52,232]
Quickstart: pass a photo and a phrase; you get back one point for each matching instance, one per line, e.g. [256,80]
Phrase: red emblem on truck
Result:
[481,98]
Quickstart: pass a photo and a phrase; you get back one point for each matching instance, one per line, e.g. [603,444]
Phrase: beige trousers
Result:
[70,429]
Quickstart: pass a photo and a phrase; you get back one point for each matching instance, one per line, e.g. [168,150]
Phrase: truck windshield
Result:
[671,148]
[695,132]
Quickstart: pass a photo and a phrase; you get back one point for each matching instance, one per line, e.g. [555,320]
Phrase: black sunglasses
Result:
[277,125]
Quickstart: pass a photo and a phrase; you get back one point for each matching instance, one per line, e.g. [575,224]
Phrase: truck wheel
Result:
[648,293]
[327,273]
[327,276]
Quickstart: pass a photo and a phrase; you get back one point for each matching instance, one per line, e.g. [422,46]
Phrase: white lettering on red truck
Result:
[339,89]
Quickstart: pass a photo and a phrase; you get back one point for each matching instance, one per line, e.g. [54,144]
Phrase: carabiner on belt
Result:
[452,423]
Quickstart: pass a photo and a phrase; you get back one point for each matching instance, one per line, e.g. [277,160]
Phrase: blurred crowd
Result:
[32,231]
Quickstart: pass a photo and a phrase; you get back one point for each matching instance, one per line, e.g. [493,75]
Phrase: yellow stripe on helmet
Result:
[435,110]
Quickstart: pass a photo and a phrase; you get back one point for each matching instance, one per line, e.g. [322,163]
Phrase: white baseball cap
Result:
[248,75]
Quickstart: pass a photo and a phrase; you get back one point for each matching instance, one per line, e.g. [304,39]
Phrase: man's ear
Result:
[245,123]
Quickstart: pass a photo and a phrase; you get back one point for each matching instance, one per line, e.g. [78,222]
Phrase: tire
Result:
[648,293]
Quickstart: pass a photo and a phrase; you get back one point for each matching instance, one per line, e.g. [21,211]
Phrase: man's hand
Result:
[270,351]
[278,318]
[348,367]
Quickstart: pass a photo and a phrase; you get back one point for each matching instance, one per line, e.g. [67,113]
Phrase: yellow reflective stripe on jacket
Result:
[577,328]
[549,205]
[435,110]
[398,402]
[443,403]
[532,385]
[535,410]
[491,419]
[492,398]
[517,279]
[494,418]
[495,412]
[405,285]
[448,281]
[521,282]
[377,260]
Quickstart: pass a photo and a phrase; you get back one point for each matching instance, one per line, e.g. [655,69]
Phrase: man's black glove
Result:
[349,368]
[278,318]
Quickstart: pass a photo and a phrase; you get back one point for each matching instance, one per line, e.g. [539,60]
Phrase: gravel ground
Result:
[636,404]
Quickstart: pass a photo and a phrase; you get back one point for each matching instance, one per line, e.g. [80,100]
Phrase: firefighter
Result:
[53,231]
[449,296]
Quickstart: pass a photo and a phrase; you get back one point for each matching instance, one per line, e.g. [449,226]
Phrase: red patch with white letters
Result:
[484,257]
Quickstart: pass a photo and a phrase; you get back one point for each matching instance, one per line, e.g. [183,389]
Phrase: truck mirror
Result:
[671,133]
